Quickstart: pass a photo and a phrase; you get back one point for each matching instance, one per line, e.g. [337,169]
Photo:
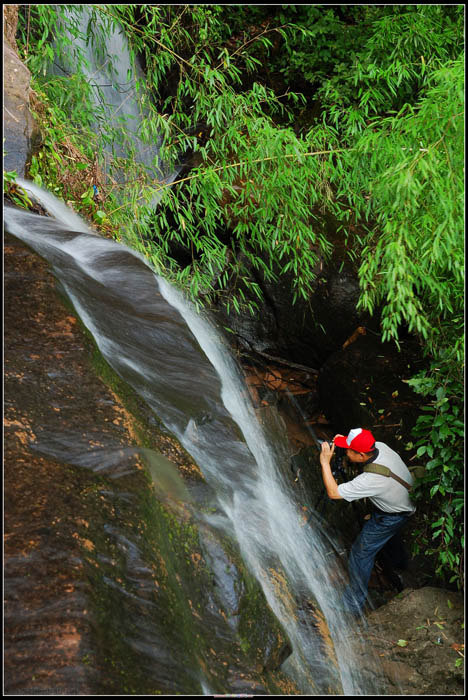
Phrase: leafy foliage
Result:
[440,437]
[244,192]
[402,47]
[14,193]
[382,151]
[406,175]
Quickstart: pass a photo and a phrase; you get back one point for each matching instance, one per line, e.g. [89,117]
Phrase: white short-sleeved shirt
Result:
[385,493]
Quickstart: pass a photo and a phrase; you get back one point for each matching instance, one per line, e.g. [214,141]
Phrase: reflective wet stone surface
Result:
[106,591]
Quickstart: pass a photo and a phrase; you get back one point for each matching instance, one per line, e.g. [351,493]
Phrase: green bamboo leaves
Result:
[379,150]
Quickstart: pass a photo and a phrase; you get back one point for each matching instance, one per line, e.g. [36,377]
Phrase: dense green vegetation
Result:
[284,115]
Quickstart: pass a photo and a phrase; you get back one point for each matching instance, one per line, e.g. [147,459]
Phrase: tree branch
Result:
[256,160]
[278,360]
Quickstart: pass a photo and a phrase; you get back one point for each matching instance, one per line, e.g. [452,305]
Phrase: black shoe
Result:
[396,580]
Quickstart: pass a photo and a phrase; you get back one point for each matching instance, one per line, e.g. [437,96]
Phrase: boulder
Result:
[417,640]
[19,128]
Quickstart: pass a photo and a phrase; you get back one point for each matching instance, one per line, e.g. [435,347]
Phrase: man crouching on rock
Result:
[390,498]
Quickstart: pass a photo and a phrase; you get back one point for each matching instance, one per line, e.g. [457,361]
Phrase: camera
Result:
[338,468]
[338,456]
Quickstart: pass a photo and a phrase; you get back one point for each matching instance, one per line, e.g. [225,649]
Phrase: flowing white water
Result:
[288,558]
[181,366]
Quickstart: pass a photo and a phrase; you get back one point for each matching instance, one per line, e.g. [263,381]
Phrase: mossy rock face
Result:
[20,130]
[178,611]
[244,604]
[260,632]
[343,518]
[167,621]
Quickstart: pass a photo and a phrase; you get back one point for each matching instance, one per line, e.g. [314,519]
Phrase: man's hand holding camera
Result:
[327,451]
[326,454]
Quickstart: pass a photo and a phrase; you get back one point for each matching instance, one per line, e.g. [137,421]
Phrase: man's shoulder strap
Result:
[375,468]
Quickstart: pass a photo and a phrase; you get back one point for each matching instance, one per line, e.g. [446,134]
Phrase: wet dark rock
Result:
[258,331]
[364,385]
[106,589]
[227,581]
[334,306]
[306,331]
[275,656]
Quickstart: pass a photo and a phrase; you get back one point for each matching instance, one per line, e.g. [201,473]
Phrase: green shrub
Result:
[439,434]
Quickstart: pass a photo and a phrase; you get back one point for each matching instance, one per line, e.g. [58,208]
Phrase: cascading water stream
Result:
[175,359]
[101,54]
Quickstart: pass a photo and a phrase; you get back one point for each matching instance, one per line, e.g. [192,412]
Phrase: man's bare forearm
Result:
[330,484]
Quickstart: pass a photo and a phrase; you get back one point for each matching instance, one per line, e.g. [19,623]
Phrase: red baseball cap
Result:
[358,439]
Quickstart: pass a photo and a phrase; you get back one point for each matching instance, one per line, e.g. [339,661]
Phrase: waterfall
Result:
[100,52]
[180,365]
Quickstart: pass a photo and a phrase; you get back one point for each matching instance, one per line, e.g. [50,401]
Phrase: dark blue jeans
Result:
[373,536]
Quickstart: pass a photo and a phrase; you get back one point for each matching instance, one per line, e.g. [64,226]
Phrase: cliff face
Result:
[48,510]
[106,589]
[19,128]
